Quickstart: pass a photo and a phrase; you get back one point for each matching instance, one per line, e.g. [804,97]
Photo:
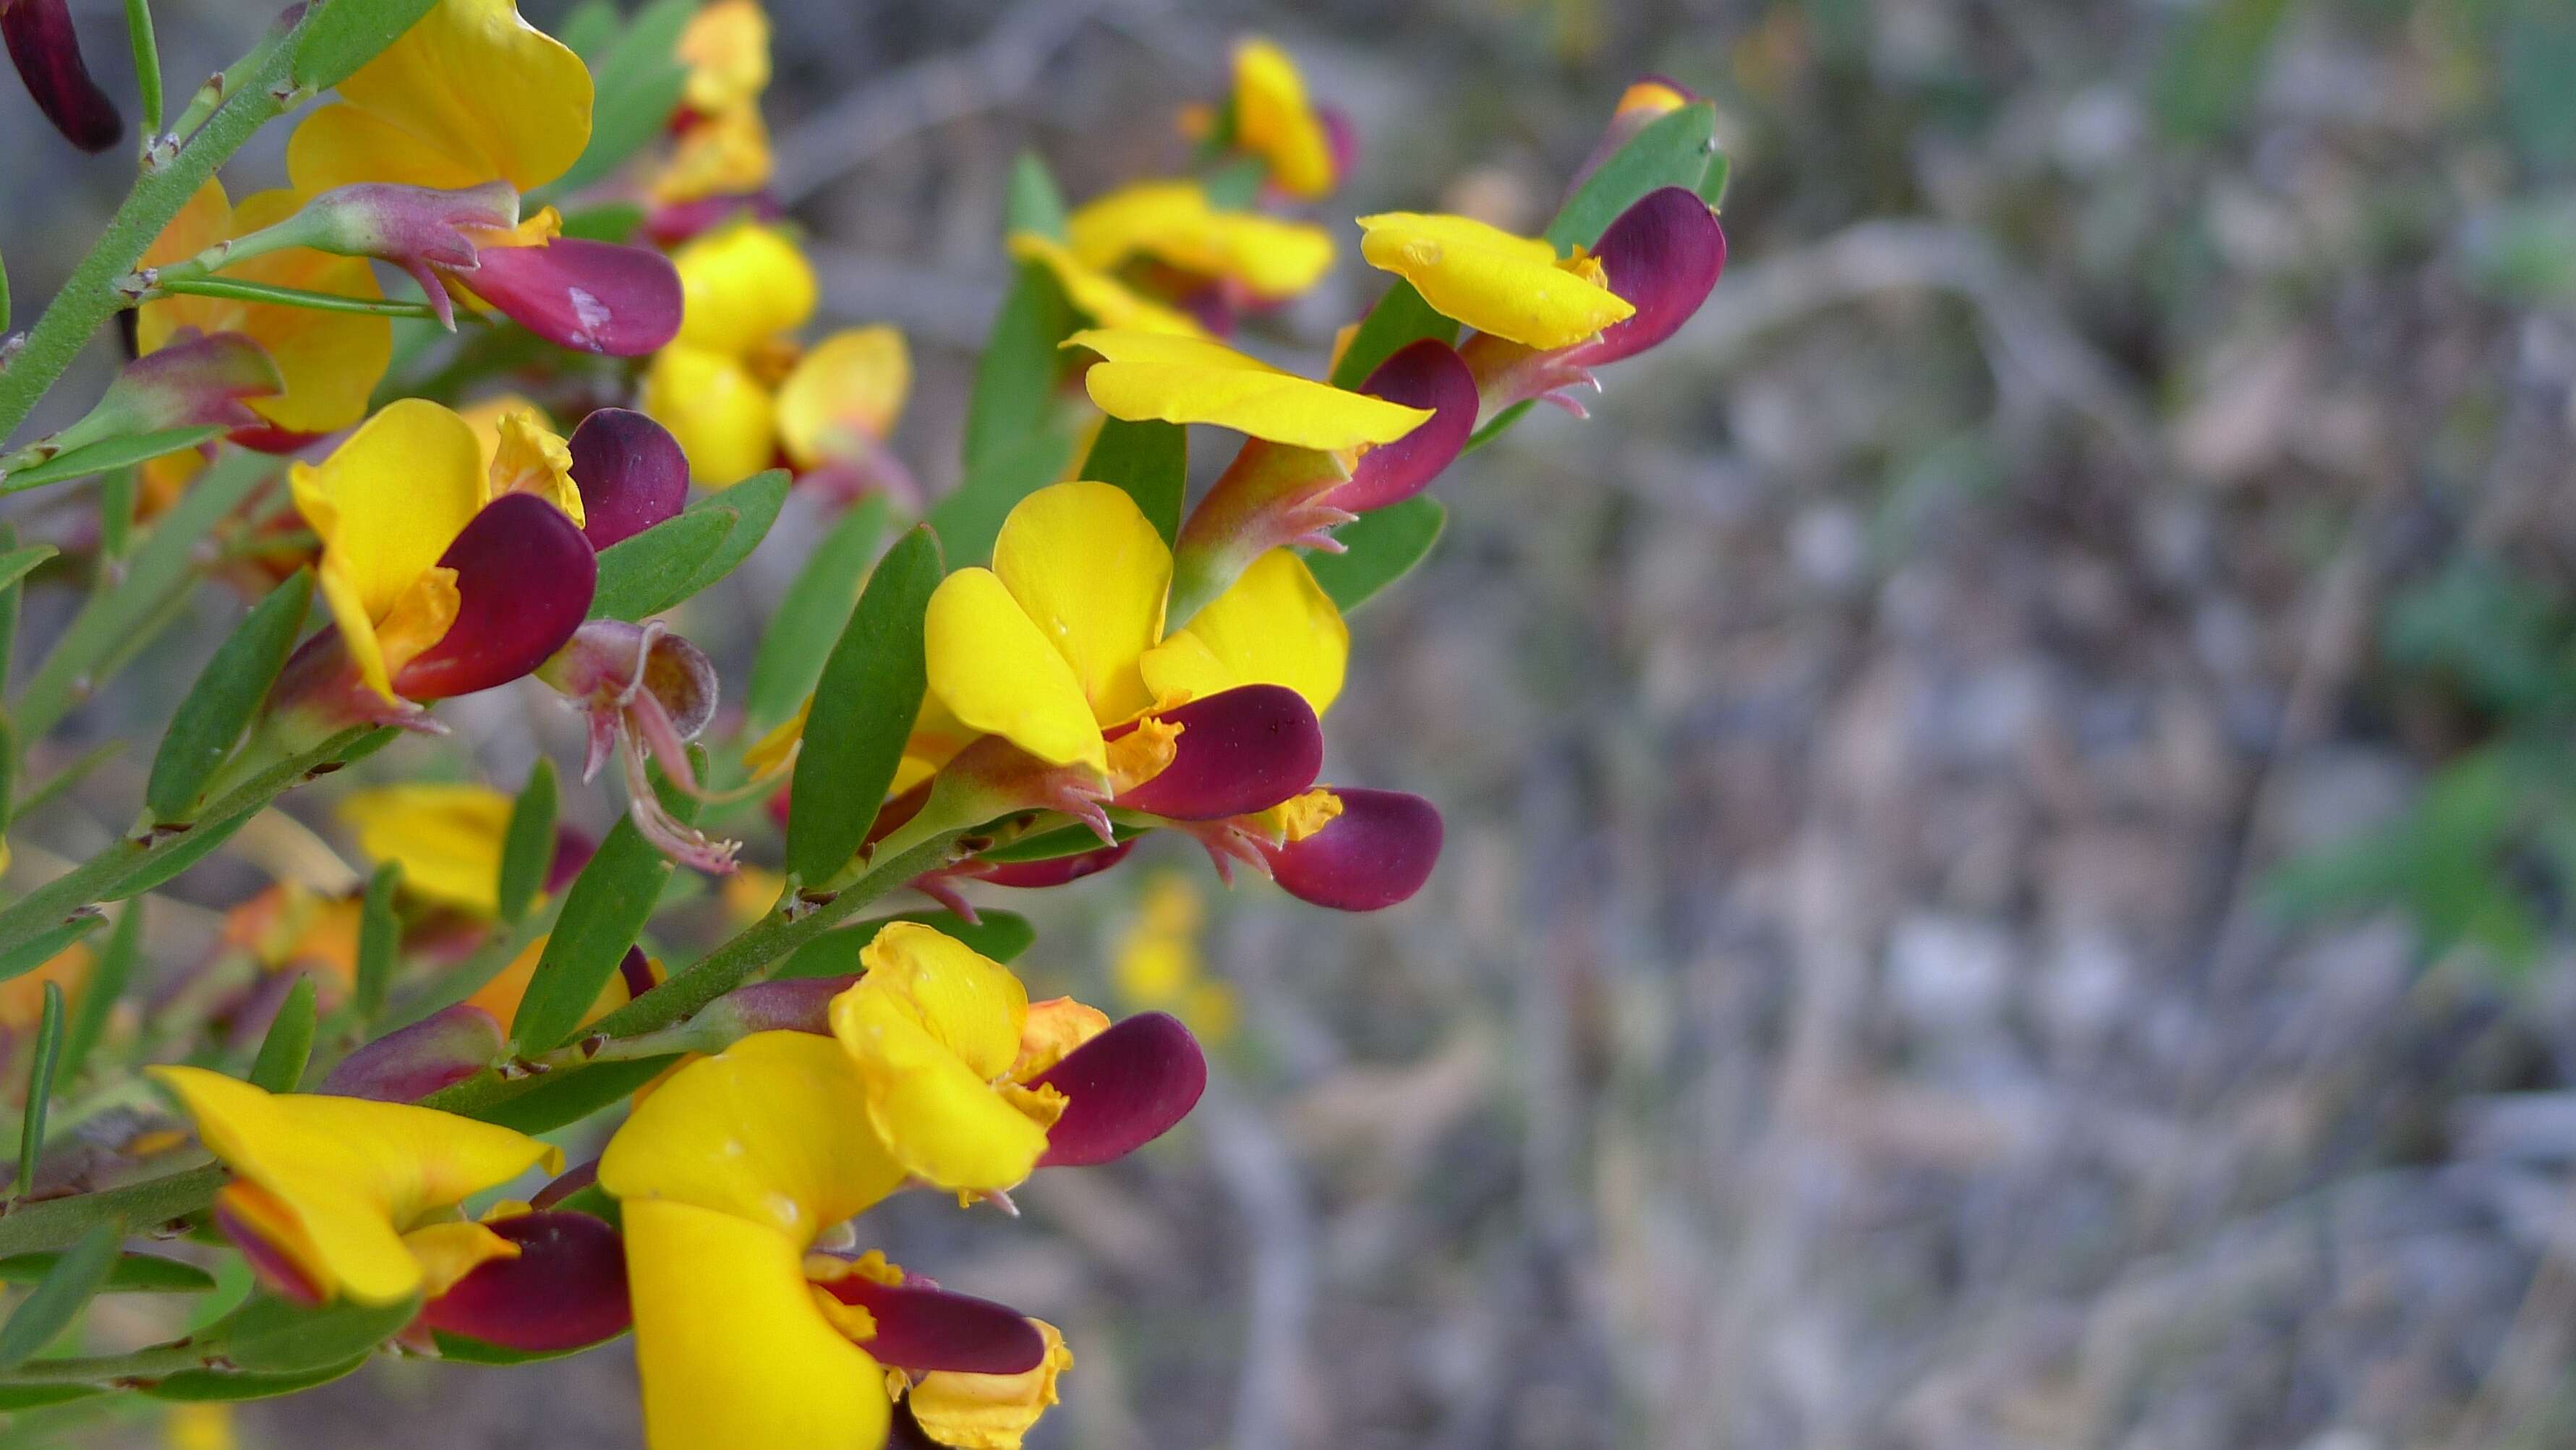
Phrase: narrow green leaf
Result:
[37,950]
[330,46]
[528,846]
[459,1349]
[636,84]
[1399,319]
[225,699]
[1675,149]
[128,1273]
[1712,185]
[863,708]
[10,595]
[61,1295]
[1016,377]
[1034,203]
[756,502]
[289,1044]
[615,221]
[1378,549]
[18,563]
[1001,935]
[41,1068]
[637,575]
[1056,844]
[589,29]
[811,616]
[604,911]
[8,771]
[562,1098]
[37,1397]
[236,289]
[272,1337]
[58,1223]
[1151,462]
[101,456]
[970,517]
[101,990]
[379,932]
[116,512]
[200,1386]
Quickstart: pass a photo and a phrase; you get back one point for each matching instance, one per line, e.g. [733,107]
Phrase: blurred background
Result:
[2010,829]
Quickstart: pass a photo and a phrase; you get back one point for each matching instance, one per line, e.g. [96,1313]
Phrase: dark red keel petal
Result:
[631,473]
[409,1063]
[1377,852]
[1425,374]
[47,53]
[1123,1089]
[1663,255]
[921,1328]
[591,296]
[1053,872]
[524,576]
[566,1289]
[1240,751]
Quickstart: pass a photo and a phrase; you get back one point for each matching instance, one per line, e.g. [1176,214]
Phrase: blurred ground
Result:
[1851,1011]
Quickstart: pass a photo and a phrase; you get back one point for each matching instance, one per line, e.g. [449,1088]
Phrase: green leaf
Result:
[225,699]
[123,606]
[528,846]
[289,1044]
[379,932]
[970,518]
[1034,202]
[639,575]
[1016,377]
[57,1223]
[1150,461]
[458,1349]
[18,563]
[1001,935]
[604,911]
[101,456]
[37,1397]
[811,616]
[116,512]
[330,46]
[269,1336]
[560,1098]
[101,991]
[636,85]
[200,1386]
[11,594]
[1675,149]
[61,1295]
[863,708]
[615,221]
[1055,845]
[236,289]
[1378,549]
[755,502]
[1399,319]
[41,1068]
[37,950]
[589,29]
[128,1273]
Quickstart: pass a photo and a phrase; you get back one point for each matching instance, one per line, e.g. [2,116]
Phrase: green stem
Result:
[112,1370]
[54,1223]
[289,296]
[90,297]
[147,72]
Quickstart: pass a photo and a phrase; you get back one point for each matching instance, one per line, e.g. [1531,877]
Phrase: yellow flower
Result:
[844,395]
[471,93]
[1188,380]
[1274,121]
[743,285]
[990,1411]
[1273,626]
[1097,295]
[1513,287]
[349,1197]
[447,837]
[726,48]
[1173,222]
[725,154]
[386,504]
[330,361]
[723,418]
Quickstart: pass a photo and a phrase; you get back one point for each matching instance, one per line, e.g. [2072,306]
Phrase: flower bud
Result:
[417,228]
[409,1063]
[631,473]
[194,380]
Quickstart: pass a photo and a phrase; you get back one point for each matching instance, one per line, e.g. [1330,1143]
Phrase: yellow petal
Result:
[732,1352]
[1272,120]
[1273,626]
[990,1411]
[742,285]
[1088,568]
[447,1252]
[1272,258]
[352,1174]
[1173,222]
[447,837]
[946,1126]
[723,418]
[1490,279]
[1189,380]
[991,668]
[389,501]
[528,458]
[767,1130]
[1104,299]
[1137,218]
[726,48]
[501,995]
[844,396]
[1053,1028]
[469,94]
[969,1003]
[484,416]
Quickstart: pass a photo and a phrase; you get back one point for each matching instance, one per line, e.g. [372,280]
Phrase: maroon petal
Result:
[573,850]
[1123,1089]
[1053,872]
[1377,852]
[282,442]
[1239,751]
[1663,255]
[636,970]
[410,1063]
[566,1289]
[921,1328]
[631,473]
[47,53]
[1425,374]
[668,224]
[523,580]
[592,296]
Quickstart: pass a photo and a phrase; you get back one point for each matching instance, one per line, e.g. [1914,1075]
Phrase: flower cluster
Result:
[371,1079]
